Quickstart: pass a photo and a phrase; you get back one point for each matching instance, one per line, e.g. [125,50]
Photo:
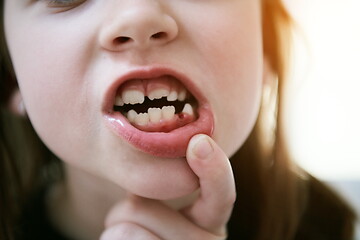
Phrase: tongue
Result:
[178,121]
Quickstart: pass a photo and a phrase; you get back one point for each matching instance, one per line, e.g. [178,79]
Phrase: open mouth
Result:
[160,104]
[157,110]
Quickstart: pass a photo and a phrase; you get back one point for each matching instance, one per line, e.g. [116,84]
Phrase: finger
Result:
[127,231]
[158,218]
[213,208]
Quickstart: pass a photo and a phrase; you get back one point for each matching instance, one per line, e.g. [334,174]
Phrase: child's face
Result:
[71,61]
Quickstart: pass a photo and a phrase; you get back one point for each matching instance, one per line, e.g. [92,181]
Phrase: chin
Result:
[165,179]
[163,194]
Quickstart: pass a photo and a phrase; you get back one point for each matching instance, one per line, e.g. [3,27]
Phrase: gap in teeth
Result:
[135,91]
[157,115]
[154,101]
[156,111]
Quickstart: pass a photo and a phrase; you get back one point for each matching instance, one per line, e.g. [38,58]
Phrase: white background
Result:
[324,103]
[323,120]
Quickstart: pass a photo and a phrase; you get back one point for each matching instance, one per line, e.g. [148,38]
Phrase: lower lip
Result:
[171,144]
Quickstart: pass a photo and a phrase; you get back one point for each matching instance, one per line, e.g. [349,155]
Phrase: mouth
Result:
[159,104]
[158,111]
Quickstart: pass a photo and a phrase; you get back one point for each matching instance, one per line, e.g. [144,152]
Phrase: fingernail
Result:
[202,148]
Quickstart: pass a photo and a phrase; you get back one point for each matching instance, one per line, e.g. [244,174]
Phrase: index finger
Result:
[213,208]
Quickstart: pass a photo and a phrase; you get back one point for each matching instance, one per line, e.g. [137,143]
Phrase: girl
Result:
[143,102]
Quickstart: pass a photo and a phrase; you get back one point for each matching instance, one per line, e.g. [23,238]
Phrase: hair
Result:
[272,194]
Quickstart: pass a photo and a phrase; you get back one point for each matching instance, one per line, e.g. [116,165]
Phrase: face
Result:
[87,69]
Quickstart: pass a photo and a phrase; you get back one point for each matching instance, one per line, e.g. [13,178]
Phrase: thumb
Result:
[213,208]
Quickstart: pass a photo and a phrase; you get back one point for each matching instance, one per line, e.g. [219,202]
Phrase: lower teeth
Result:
[157,115]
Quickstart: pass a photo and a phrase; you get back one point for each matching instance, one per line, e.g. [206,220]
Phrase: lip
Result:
[171,144]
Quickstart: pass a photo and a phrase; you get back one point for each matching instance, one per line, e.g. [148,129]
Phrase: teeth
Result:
[138,97]
[154,115]
[168,112]
[142,119]
[158,93]
[119,101]
[133,97]
[182,95]
[188,109]
[131,115]
[173,96]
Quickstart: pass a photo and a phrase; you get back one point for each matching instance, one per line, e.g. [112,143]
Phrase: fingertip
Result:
[200,147]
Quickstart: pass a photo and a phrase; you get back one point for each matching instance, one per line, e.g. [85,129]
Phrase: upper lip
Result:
[149,72]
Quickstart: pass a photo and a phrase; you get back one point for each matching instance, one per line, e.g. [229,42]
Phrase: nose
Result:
[140,25]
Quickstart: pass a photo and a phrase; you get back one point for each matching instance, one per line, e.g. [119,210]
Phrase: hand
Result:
[205,219]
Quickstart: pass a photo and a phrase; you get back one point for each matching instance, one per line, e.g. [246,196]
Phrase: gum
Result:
[148,85]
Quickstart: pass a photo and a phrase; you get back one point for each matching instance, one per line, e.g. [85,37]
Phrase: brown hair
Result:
[271,195]
[24,159]
[275,195]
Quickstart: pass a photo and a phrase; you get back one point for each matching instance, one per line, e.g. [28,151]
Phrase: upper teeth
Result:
[182,94]
[119,101]
[158,93]
[173,96]
[132,96]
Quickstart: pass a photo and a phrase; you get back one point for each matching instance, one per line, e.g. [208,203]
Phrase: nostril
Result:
[159,35]
[122,40]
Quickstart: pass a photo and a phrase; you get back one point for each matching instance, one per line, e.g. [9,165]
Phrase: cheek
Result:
[237,116]
[53,104]
[54,92]
[236,106]
[236,64]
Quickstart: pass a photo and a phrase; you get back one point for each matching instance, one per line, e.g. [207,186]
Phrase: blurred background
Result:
[324,98]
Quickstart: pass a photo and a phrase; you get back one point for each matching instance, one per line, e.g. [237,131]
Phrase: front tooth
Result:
[182,95]
[188,109]
[119,101]
[158,93]
[131,115]
[154,115]
[142,119]
[133,96]
[168,112]
[173,96]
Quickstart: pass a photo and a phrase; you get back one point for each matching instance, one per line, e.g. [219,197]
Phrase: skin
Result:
[65,59]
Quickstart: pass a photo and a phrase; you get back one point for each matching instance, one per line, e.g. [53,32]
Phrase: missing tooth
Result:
[156,103]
